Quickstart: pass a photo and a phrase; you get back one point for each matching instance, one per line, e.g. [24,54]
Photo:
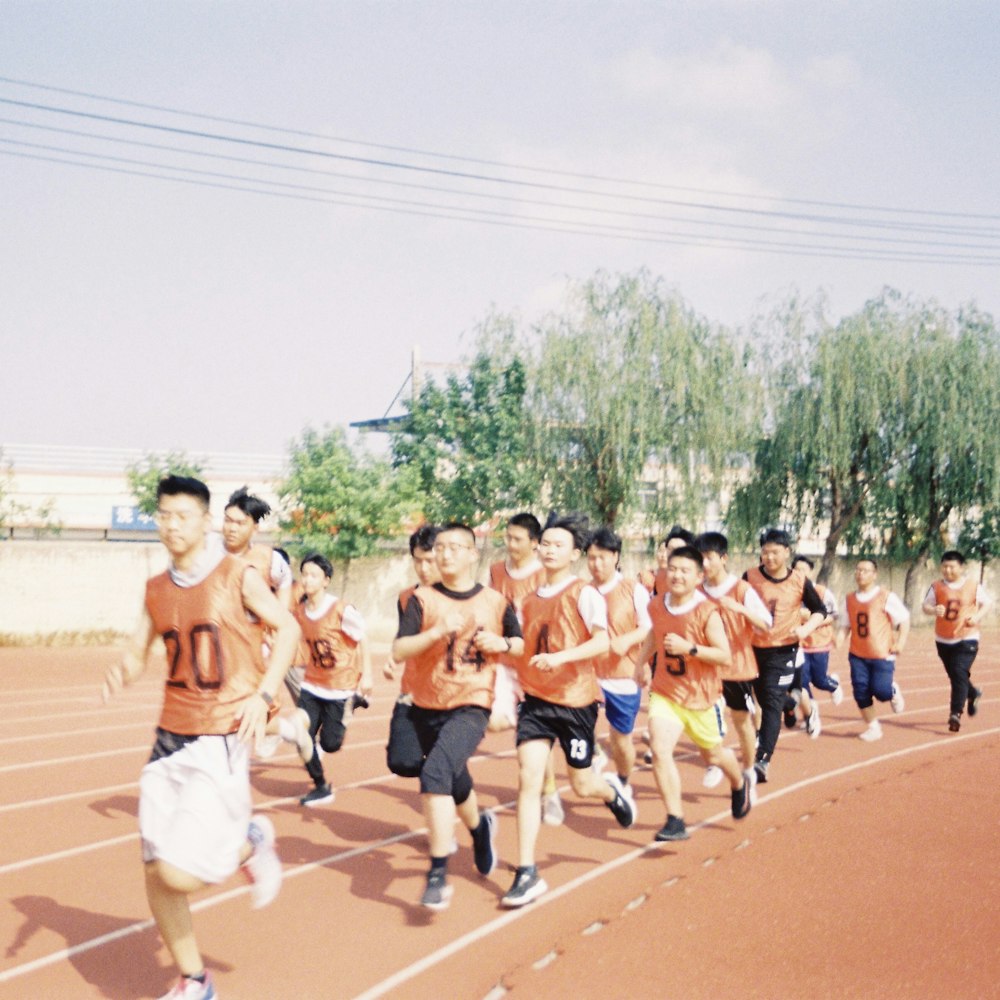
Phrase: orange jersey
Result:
[959,603]
[333,662]
[213,650]
[821,640]
[515,590]
[740,634]
[401,602]
[621,619]
[783,599]
[551,625]
[871,627]
[452,672]
[687,680]
[660,585]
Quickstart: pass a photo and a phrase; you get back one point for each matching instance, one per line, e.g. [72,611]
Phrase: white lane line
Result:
[408,973]
[101,711]
[429,961]
[66,796]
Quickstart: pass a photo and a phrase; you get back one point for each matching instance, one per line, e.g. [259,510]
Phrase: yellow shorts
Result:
[705,726]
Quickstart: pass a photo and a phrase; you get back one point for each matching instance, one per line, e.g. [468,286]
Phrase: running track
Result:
[865,870]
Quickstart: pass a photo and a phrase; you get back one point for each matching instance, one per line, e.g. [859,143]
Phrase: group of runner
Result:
[539,650]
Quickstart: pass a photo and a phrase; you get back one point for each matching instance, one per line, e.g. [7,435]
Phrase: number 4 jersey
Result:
[214,658]
[685,680]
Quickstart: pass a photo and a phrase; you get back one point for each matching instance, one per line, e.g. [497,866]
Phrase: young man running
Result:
[743,616]
[784,592]
[628,625]
[878,623]
[338,668]
[958,605]
[815,648]
[194,794]
[403,755]
[691,648]
[453,633]
[565,632]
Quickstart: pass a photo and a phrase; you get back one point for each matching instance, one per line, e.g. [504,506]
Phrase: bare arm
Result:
[134,658]
[597,645]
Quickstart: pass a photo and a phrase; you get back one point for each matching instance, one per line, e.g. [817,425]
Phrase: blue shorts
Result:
[622,710]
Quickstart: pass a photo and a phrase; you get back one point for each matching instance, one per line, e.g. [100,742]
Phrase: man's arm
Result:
[286,633]
[134,658]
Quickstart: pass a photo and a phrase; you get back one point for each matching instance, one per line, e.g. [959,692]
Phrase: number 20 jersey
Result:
[214,660]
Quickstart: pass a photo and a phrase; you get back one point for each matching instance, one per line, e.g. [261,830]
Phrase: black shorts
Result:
[738,695]
[448,738]
[572,727]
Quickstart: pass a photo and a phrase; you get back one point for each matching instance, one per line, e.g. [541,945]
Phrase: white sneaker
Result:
[813,724]
[303,741]
[872,733]
[553,813]
[191,989]
[266,746]
[837,694]
[712,777]
[897,703]
[599,761]
[263,867]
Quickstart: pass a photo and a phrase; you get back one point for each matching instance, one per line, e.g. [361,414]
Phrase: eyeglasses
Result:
[451,547]
[176,516]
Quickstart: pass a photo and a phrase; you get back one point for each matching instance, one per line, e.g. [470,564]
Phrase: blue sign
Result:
[131,519]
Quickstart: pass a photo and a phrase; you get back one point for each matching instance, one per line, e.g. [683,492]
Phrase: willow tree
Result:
[949,469]
[837,431]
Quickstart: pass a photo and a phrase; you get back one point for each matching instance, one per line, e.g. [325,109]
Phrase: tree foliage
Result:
[144,476]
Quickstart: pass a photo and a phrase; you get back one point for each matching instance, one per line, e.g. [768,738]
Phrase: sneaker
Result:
[760,769]
[813,724]
[317,797]
[897,703]
[552,810]
[752,772]
[437,894]
[484,843]
[837,694]
[954,723]
[599,761]
[742,797]
[974,695]
[263,867]
[358,701]
[712,777]
[673,829]
[872,733]
[789,712]
[303,741]
[191,989]
[266,746]
[647,757]
[528,885]
[621,805]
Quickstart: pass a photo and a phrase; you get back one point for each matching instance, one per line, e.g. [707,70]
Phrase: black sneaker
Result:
[358,701]
[484,843]
[741,797]
[317,797]
[974,695]
[437,895]
[528,885]
[789,713]
[954,723]
[621,805]
[673,829]
[761,767]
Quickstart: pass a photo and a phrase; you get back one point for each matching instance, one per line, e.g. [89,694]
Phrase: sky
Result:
[278,287]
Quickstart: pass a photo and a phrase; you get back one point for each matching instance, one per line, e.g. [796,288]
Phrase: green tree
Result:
[629,375]
[143,476]
[465,442]
[342,503]
[15,514]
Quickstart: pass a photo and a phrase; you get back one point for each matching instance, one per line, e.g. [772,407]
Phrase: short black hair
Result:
[870,559]
[577,524]
[688,552]
[604,538]
[321,561]
[252,506]
[173,486]
[284,555]
[529,522]
[803,559]
[712,541]
[953,555]
[775,536]
[678,532]
[457,526]
[423,538]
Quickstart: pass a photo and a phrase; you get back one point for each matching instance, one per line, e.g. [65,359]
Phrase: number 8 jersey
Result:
[214,659]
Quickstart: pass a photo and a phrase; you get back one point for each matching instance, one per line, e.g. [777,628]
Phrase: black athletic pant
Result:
[776,668]
[957,658]
[326,727]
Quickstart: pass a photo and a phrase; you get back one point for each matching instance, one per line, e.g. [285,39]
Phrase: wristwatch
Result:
[693,651]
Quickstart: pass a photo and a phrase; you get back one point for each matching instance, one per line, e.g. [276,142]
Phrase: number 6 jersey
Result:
[214,660]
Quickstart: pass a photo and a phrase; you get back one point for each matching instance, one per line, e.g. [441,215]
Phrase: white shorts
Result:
[195,805]
[506,694]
